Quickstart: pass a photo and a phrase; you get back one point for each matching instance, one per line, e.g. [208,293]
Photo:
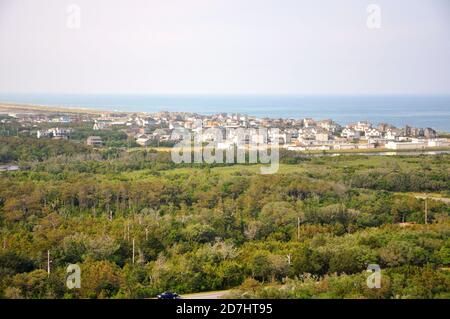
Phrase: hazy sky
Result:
[224,46]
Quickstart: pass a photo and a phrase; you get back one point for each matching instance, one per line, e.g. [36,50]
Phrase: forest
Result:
[137,224]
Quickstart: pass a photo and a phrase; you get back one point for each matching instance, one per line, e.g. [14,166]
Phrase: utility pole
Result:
[133,251]
[48,262]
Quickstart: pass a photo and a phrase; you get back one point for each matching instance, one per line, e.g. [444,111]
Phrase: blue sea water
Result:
[420,111]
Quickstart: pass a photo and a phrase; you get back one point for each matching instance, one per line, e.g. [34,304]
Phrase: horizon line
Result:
[228,94]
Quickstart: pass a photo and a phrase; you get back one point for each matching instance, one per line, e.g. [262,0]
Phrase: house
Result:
[144,141]
[362,126]
[372,133]
[178,134]
[322,136]
[413,131]
[101,125]
[54,133]
[292,132]
[143,136]
[147,139]
[383,127]
[62,119]
[162,131]
[144,130]
[391,134]
[429,133]
[329,125]
[309,122]
[176,125]
[95,141]
[212,134]
[417,132]
[308,133]
[350,133]
[9,168]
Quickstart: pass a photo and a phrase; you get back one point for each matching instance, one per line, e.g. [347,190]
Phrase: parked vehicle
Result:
[168,295]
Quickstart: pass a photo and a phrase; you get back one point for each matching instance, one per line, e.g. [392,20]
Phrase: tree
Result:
[99,279]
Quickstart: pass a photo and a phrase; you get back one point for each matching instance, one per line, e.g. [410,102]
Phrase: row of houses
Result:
[294,133]
[54,133]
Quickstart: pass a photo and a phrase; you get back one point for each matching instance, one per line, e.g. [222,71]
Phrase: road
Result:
[441,199]
[206,295]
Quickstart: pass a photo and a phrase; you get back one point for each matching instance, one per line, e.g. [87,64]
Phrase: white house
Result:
[309,122]
[391,134]
[362,126]
[329,125]
[322,137]
[372,133]
[350,133]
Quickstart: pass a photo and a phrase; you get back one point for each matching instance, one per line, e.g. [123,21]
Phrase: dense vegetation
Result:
[116,136]
[14,149]
[308,231]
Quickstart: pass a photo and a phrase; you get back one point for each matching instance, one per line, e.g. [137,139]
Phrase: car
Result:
[168,295]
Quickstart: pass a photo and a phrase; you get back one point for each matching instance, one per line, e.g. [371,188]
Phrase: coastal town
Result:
[157,129]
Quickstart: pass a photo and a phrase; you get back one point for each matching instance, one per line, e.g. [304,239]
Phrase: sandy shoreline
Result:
[27,108]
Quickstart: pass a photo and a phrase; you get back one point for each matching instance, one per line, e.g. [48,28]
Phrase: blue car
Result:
[168,295]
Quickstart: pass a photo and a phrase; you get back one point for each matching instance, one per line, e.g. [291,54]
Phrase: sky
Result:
[224,47]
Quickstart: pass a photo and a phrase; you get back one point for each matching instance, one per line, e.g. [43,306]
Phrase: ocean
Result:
[419,111]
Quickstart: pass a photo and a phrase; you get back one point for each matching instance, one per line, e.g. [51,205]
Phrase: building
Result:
[54,133]
[9,168]
[322,136]
[439,142]
[144,130]
[413,131]
[350,133]
[329,125]
[309,122]
[391,134]
[345,146]
[279,138]
[362,126]
[101,125]
[372,133]
[95,141]
[142,141]
[429,133]
[406,145]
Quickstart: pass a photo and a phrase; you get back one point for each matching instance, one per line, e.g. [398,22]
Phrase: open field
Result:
[375,151]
